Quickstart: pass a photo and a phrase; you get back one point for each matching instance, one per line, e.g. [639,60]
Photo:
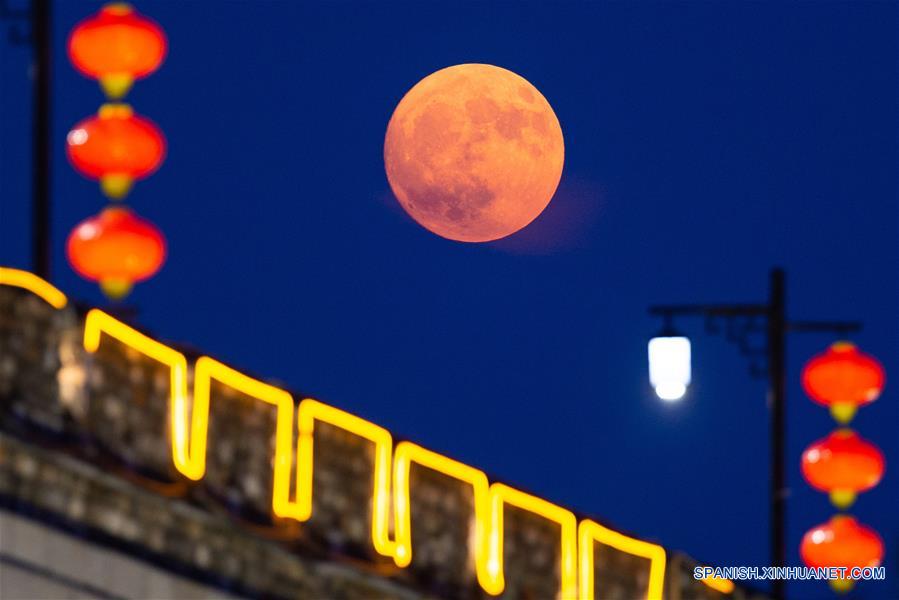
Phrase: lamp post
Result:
[41,37]
[38,15]
[741,322]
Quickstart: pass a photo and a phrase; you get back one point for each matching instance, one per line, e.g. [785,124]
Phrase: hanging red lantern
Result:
[117,147]
[841,542]
[842,464]
[117,46]
[116,248]
[843,378]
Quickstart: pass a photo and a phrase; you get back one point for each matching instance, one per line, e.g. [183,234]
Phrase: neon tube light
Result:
[391,469]
[591,531]
[311,411]
[501,494]
[34,284]
[407,453]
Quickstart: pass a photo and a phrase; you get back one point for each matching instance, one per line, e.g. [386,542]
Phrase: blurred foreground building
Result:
[94,501]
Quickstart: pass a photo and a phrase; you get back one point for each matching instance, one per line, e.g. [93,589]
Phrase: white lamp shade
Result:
[669,366]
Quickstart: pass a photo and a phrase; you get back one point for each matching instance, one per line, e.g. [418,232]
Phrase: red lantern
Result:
[117,249]
[841,542]
[842,464]
[843,378]
[117,46]
[117,147]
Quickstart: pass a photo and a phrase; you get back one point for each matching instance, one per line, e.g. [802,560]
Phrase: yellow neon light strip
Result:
[98,322]
[34,284]
[189,434]
[189,448]
[501,494]
[312,410]
[207,369]
[589,532]
[405,454]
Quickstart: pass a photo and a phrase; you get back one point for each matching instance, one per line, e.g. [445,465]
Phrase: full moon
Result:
[474,152]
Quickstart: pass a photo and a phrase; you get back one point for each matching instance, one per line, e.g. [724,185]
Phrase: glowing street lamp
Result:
[669,366]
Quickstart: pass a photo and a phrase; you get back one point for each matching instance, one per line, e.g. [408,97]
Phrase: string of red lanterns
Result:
[116,147]
[843,464]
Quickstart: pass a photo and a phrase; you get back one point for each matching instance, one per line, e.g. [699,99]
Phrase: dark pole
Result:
[41,147]
[777,328]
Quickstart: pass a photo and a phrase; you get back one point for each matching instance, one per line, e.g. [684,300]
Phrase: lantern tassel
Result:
[116,85]
[842,499]
[115,289]
[841,586]
[116,186]
[842,412]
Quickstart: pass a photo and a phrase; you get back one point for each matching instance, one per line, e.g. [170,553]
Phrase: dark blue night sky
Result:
[705,143]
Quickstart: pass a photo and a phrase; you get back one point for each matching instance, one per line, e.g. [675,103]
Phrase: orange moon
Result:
[474,152]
